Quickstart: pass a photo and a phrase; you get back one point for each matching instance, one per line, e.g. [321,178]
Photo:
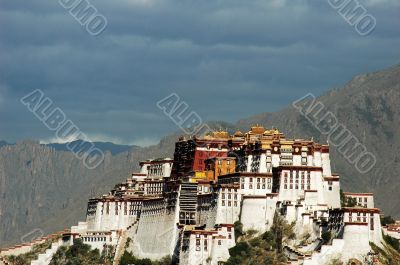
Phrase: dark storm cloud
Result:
[226,58]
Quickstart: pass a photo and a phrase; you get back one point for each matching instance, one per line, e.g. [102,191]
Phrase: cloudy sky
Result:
[228,59]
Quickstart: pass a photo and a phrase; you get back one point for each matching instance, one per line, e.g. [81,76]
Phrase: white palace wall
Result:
[356,242]
[258,212]
[228,206]
[115,218]
[157,231]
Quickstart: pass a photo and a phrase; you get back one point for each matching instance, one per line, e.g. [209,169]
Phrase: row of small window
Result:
[94,239]
[297,181]
[258,186]
[359,219]
[229,190]
[229,196]
[258,180]
[358,214]
[205,244]
[363,220]
[154,185]
[131,212]
[296,187]
[219,147]
[297,177]
[228,171]
[156,171]
[255,169]
[235,204]
[297,173]
[154,190]
[134,208]
[228,162]
[205,241]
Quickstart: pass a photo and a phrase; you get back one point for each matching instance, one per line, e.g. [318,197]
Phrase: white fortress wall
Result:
[227,212]
[310,199]
[291,215]
[317,159]
[198,251]
[263,163]
[296,160]
[376,234]
[356,241]
[81,228]
[112,215]
[228,204]
[326,164]
[157,231]
[275,160]
[258,212]
[331,192]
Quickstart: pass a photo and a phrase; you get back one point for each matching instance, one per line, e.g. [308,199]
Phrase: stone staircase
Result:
[45,258]
[293,251]
[295,257]
[119,250]
[313,246]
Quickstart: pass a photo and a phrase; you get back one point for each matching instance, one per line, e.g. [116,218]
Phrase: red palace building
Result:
[190,154]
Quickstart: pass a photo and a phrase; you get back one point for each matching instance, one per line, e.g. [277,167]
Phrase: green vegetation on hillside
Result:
[386,256]
[82,254]
[393,242]
[261,249]
[128,258]
[387,220]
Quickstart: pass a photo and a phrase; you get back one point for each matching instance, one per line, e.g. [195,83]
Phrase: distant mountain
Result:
[3,143]
[43,187]
[81,145]
[84,145]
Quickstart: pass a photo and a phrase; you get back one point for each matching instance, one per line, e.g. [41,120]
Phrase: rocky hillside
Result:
[103,146]
[42,188]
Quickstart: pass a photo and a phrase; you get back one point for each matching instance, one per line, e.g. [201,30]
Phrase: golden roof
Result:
[257,129]
[238,134]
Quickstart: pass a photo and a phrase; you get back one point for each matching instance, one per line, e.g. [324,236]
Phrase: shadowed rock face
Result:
[47,189]
[83,145]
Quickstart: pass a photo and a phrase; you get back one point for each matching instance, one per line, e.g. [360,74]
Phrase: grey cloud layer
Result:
[226,58]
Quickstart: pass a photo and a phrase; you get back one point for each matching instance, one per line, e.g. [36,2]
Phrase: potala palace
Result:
[186,207]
